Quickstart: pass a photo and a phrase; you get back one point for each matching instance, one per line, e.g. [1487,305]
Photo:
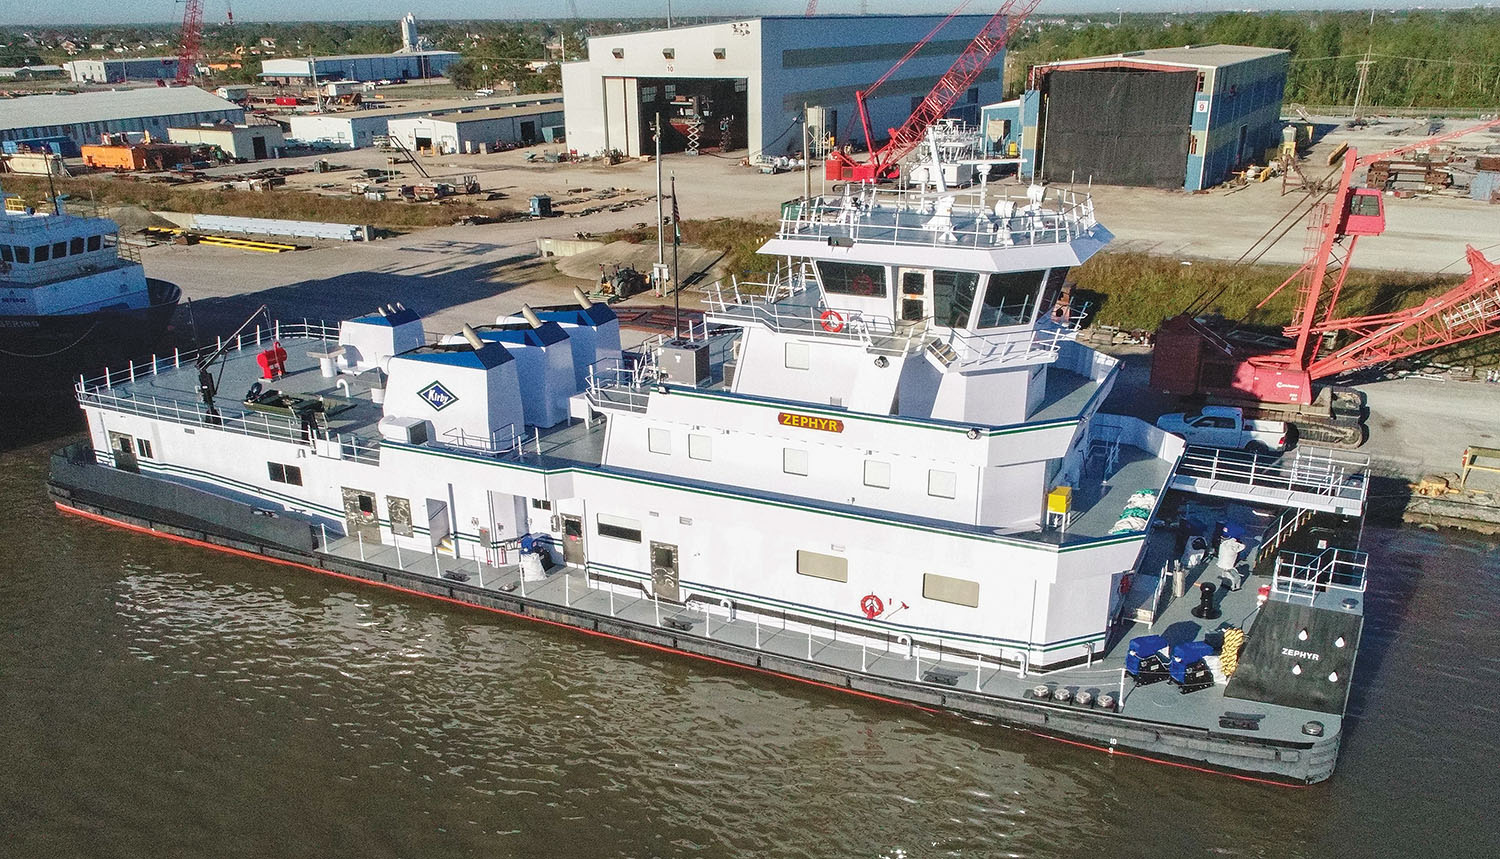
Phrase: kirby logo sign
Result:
[438,396]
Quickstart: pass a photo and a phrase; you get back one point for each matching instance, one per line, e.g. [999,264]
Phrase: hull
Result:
[39,354]
[151,507]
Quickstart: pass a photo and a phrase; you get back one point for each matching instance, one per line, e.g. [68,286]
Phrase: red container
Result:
[286,100]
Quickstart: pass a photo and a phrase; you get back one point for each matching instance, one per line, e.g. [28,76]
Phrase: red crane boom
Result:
[979,53]
[191,46]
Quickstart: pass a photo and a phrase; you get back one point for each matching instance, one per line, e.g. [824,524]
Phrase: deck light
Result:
[973,432]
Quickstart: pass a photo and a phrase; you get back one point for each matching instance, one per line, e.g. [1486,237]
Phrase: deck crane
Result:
[190,49]
[1196,358]
[884,162]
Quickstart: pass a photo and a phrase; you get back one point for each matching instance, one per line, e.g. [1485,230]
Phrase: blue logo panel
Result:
[438,396]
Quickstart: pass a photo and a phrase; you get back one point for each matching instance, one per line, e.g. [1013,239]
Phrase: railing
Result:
[972,351]
[1287,524]
[256,338]
[1312,472]
[503,441]
[1303,576]
[621,383]
[969,218]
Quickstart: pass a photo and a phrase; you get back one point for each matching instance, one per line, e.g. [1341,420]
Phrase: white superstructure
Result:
[896,436]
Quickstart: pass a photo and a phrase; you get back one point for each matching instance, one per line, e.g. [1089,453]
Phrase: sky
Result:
[133,11]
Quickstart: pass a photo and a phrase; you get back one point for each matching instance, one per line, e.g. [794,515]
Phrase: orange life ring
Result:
[832,321]
[871,606]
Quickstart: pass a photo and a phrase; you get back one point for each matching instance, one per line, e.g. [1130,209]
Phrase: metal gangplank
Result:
[1308,478]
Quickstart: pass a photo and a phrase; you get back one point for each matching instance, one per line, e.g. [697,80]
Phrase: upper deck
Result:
[37,249]
[979,228]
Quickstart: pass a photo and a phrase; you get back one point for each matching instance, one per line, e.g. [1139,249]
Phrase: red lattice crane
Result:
[190,49]
[884,162]
[812,9]
[1192,359]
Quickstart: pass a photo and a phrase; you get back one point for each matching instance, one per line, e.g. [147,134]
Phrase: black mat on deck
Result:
[1273,648]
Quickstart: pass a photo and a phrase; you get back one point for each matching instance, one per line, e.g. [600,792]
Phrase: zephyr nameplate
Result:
[788,419]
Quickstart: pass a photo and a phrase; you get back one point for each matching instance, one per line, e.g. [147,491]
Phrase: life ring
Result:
[833,321]
[872,606]
[254,391]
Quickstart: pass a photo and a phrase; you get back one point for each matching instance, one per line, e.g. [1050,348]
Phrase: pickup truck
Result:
[1225,426]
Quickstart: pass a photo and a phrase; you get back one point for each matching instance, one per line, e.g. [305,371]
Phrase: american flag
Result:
[676,218]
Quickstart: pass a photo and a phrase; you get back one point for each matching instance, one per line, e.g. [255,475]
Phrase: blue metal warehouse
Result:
[65,122]
[1169,118]
[113,70]
[411,65]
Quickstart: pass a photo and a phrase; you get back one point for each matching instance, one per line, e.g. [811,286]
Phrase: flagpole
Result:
[661,252]
[676,274]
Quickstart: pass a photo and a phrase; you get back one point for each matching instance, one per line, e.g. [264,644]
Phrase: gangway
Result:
[1310,479]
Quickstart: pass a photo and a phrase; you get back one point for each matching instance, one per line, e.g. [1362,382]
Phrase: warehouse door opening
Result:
[698,114]
[1118,126]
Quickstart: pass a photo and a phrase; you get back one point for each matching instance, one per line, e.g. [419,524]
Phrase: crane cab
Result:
[1364,213]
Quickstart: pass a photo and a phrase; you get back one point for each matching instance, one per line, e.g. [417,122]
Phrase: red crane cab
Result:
[1365,215]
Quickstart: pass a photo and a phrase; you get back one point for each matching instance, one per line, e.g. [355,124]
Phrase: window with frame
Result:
[23,254]
[794,461]
[6,254]
[75,245]
[953,297]
[59,250]
[821,566]
[942,484]
[143,448]
[852,278]
[96,242]
[541,504]
[618,527]
[700,447]
[877,474]
[659,440]
[950,590]
[289,474]
[41,253]
[1009,299]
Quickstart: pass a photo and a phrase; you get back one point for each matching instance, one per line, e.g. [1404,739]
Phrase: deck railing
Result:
[1313,471]
[1302,576]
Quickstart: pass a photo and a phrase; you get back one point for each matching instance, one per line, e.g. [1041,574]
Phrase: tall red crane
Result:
[884,162]
[812,9]
[1193,359]
[190,49]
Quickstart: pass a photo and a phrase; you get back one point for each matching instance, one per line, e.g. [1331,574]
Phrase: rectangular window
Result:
[877,474]
[75,246]
[700,447]
[290,474]
[96,242]
[42,254]
[821,566]
[942,484]
[850,278]
[659,440]
[619,527]
[59,250]
[1009,298]
[798,356]
[953,296]
[794,461]
[541,504]
[6,255]
[950,590]
[23,254]
[143,448]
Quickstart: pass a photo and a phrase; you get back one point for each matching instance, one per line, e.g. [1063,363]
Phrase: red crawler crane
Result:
[191,47]
[1194,359]
[883,162]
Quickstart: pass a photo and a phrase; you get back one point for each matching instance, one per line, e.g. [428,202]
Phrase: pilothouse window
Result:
[1009,299]
[953,296]
[848,278]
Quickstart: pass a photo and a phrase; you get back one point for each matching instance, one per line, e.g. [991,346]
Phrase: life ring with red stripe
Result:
[833,321]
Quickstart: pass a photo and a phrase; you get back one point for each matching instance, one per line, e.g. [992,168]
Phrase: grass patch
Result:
[739,239]
[210,200]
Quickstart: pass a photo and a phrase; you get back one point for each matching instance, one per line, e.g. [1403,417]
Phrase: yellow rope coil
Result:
[1229,657]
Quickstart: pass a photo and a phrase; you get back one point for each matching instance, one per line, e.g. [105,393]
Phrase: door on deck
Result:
[916,294]
[360,517]
[664,571]
[123,447]
[572,529]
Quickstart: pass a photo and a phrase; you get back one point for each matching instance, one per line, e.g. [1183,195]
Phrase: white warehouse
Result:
[742,84]
[469,131]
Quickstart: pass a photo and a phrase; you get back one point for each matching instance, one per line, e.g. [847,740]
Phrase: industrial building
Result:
[247,142]
[470,131]
[743,84]
[119,70]
[1183,118]
[413,65]
[32,73]
[353,129]
[63,123]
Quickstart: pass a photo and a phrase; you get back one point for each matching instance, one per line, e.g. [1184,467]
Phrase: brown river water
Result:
[160,700]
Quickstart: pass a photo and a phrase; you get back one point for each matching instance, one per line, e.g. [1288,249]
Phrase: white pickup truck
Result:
[1225,426]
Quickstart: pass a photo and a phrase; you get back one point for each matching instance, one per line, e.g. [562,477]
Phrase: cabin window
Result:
[143,448]
[541,504]
[953,296]
[659,440]
[619,527]
[6,254]
[59,250]
[1009,299]
[942,484]
[96,242]
[798,356]
[821,566]
[289,474]
[850,278]
[700,447]
[877,474]
[42,254]
[75,246]
[1365,204]
[1051,289]
[23,254]
[794,461]
[950,590]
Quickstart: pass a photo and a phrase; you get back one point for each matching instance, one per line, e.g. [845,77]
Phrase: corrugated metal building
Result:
[119,70]
[84,117]
[250,142]
[468,131]
[749,80]
[1168,118]
[360,67]
[354,129]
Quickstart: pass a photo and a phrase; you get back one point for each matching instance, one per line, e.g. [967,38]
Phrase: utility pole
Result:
[1359,91]
[312,69]
[669,14]
[661,251]
[806,156]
